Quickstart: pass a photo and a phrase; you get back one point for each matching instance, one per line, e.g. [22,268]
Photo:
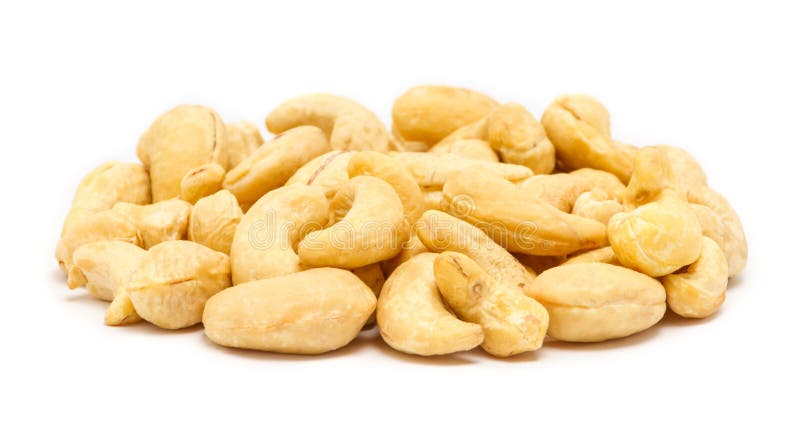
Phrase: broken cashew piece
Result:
[213,221]
[512,322]
[699,291]
[309,312]
[348,125]
[157,222]
[202,181]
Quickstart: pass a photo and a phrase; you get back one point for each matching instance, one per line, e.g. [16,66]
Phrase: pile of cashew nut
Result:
[469,223]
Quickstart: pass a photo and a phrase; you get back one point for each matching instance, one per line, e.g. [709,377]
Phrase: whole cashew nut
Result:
[433,169]
[213,221]
[597,205]
[699,291]
[559,190]
[157,222]
[103,267]
[520,138]
[328,172]
[202,181]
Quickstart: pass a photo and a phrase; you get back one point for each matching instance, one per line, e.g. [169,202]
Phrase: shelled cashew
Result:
[470,224]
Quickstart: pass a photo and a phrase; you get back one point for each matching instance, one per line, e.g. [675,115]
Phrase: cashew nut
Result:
[597,205]
[433,170]
[599,255]
[603,180]
[395,174]
[699,291]
[241,139]
[470,148]
[520,139]
[103,267]
[213,221]
[202,181]
[157,222]
[328,172]
[731,236]
[559,190]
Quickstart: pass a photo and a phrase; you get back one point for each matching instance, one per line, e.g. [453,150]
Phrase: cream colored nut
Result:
[433,170]
[349,125]
[308,312]
[202,181]
[265,240]
[367,226]
[520,138]
[578,126]
[440,232]
[158,222]
[178,141]
[731,236]
[597,205]
[657,238]
[606,181]
[395,174]
[427,114]
[559,190]
[699,291]
[104,266]
[213,221]
[271,165]
[590,302]
[172,282]
[652,175]
[104,225]
[410,249]
[241,139]
[412,317]
[106,185]
[512,323]
[328,172]
[516,221]
[599,255]
[688,171]
[121,312]
[399,144]
[469,148]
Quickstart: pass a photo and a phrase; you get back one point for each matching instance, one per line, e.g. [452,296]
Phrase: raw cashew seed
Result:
[103,266]
[470,148]
[559,190]
[597,205]
[307,312]
[433,170]
[731,237]
[599,255]
[269,166]
[395,173]
[104,225]
[512,322]
[410,249]
[520,139]
[700,290]
[349,125]
[265,240]
[158,222]
[328,172]
[591,302]
[603,180]
[213,221]
[412,317]
[202,181]
[241,139]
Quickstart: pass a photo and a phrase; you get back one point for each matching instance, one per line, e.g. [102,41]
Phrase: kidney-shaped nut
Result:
[202,181]
[266,239]
[603,180]
[515,220]
[307,312]
[440,232]
[104,186]
[699,291]
[269,166]
[433,170]
[512,322]
[213,221]
[395,173]
[328,172]
[657,238]
[104,225]
[728,231]
[157,222]
[104,266]
[652,175]
[412,317]
[172,282]
[688,171]
[349,125]
[578,126]
[520,138]
[241,139]
[179,140]
[590,302]
[559,190]
[427,114]
[597,205]
[470,148]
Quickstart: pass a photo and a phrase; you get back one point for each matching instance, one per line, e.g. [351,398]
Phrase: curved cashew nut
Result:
[516,221]
[157,222]
[265,240]
[103,266]
[433,170]
[104,225]
[269,166]
[427,114]
[213,221]
[412,317]
[512,322]
[172,282]
[349,125]
[241,139]
[652,175]
[597,205]
[731,237]
[179,140]
[578,126]
[559,190]
[470,148]
[368,224]
[590,302]
[309,312]
[328,172]
[699,291]
[202,181]
[606,181]
[520,139]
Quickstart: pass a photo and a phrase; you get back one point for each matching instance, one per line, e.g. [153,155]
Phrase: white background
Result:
[80,83]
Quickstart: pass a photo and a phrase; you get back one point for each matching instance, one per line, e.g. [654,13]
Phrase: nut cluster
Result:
[471,223]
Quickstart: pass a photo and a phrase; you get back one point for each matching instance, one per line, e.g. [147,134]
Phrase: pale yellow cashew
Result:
[309,312]
[412,317]
[103,266]
[368,225]
[597,205]
[687,170]
[269,166]
[578,126]
[652,175]
[434,169]
[99,190]
[559,190]
[603,180]
[202,181]
[172,282]
[104,225]
[157,222]
[520,138]
[516,221]
[512,323]
[470,148]
[241,139]
[426,114]
[590,302]
[699,291]
[349,125]
[265,240]
[395,173]
[599,255]
[121,312]
[728,232]
[328,172]
[179,140]
[213,221]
